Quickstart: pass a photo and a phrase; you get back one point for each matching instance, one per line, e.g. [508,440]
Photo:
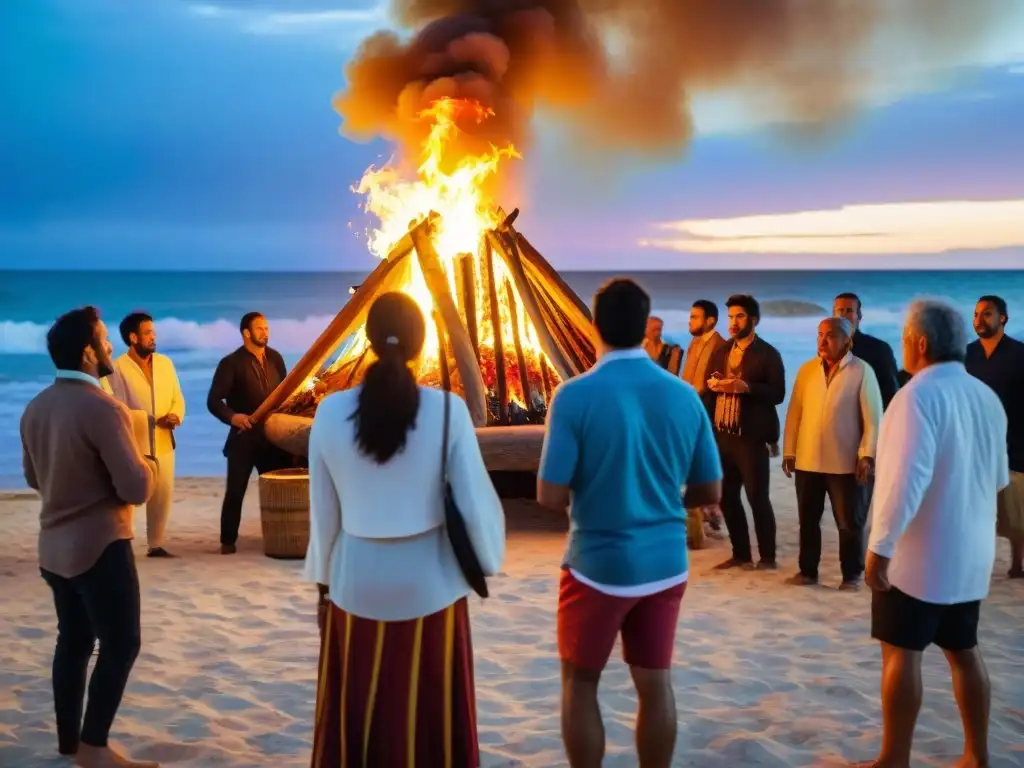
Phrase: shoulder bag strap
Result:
[444,439]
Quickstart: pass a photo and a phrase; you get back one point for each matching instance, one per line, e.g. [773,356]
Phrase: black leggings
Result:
[101,604]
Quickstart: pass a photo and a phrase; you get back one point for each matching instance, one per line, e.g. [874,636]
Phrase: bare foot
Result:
[971,762]
[108,757]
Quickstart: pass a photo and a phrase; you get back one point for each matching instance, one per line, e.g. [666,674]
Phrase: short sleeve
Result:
[561,442]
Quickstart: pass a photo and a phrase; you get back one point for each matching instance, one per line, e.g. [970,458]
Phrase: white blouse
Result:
[377,537]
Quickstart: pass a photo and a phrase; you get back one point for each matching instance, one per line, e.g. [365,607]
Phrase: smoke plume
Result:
[619,74]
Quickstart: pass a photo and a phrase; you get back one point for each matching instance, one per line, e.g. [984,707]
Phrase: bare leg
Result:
[582,728]
[901,701]
[656,717]
[974,698]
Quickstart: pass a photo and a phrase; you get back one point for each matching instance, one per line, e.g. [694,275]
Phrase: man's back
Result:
[640,434]
[80,454]
[941,461]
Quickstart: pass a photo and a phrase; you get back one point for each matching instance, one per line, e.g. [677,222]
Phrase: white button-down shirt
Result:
[833,421]
[941,461]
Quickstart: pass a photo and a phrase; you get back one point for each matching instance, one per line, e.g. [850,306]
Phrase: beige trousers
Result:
[158,508]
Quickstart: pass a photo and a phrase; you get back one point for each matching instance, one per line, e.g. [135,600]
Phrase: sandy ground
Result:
[766,674]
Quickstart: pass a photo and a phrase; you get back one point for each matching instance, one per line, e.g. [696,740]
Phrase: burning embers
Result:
[503,328]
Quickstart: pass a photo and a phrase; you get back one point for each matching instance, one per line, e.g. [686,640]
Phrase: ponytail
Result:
[390,398]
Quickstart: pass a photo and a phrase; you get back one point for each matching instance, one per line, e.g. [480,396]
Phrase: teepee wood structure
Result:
[507,334]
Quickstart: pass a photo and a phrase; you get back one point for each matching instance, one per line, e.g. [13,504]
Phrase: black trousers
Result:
[245,452]
[101,604]
[745,467]
[850,509]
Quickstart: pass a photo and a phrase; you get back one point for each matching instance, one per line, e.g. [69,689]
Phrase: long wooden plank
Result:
[506,246]
[499,343]
[462,349]
[575,308]
[465,275]
[339,329]
[524,374]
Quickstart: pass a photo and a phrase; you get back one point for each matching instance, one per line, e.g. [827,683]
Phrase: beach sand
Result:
[765,675]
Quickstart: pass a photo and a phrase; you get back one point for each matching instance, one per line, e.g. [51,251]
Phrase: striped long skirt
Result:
[396,694]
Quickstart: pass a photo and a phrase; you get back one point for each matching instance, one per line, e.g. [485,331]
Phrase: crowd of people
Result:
[942,473]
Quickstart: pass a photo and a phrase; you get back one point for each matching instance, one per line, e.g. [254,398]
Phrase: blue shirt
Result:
[626,437]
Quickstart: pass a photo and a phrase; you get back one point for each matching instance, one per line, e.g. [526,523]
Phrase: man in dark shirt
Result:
[242,382]
[870,349]
[998,360]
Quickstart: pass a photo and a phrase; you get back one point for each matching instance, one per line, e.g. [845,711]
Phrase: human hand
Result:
[876,572]
[773,450]
[241,422]
[865,469]
[734,386]
[170,421]
[789,465]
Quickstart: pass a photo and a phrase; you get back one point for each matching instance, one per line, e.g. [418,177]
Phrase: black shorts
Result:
[911,624]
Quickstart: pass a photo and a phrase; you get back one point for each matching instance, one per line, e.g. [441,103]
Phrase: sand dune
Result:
[766,674]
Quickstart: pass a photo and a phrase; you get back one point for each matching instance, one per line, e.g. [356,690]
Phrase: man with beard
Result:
[706,341]
[668,356]
[242,382]
[998,360]
[146,380]
[870,349]
[831,432]
[79,453]
[746,383]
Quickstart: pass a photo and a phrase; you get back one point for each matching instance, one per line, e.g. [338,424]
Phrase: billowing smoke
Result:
[619,74]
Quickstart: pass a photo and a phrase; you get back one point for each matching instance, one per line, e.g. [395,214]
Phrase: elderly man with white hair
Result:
[942,458]
[829,443]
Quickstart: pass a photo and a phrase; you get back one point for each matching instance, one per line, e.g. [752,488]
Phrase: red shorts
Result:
[589,621]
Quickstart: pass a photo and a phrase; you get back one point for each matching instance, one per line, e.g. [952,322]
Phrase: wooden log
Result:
[499,345]
[558,325]
[524,374]
[466,280]
[343,324]
[355,368]
[506,246]
[545,374]
[442,354]
[462,349]
[503,448]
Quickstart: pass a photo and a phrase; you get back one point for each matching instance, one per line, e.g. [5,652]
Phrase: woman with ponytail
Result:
[395,686]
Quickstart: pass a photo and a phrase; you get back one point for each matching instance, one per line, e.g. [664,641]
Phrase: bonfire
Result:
[503,328]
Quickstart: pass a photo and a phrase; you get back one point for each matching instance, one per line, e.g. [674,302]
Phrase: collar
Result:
[938,369]
[707,336]
[841,364]
[748,345]
[634,353]
[79,376]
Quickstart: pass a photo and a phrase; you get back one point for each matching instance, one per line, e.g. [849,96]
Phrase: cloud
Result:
[890,228]
[267,20]
[1016,69]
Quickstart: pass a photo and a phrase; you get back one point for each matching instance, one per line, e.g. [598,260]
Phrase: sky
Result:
[181,135]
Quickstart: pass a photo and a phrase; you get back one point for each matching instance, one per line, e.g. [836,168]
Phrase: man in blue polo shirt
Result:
[621,441]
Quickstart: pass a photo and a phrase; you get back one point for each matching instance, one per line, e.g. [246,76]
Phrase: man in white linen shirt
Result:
[942,459]
[829,443]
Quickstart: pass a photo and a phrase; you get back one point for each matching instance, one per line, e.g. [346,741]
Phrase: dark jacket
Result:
[1004,373]
[764,373]
[241,384]
[879,356]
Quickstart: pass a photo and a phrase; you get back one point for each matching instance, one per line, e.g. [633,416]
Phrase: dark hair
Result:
[247,320]
[70,335]
[389,399]
[621,308]
[851,297]
[746,302]
[131,325]
[709,308]
[998,302]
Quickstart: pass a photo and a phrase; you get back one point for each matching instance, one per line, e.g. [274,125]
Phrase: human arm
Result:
[675,360]
[221,386]
[28,466]
[324,506]
[177,409]
[558,456]
[110,430]
[870,419]
[794,414]
[886,373]
[905,463]
[473,491]
[772,389]
[704,480]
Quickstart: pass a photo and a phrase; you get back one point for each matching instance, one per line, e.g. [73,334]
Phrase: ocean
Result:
[197,316]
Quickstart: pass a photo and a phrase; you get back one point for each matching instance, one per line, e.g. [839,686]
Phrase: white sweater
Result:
[377,535]
[832,424]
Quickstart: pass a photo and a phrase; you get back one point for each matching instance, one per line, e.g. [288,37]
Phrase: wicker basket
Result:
[284,513]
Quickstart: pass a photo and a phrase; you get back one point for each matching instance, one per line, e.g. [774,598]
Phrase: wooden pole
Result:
[442,354]
[462,349]
[545,375]
[466,280]
[337,331]
[499,345]
[506,246]
[524,374]
[355,368]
